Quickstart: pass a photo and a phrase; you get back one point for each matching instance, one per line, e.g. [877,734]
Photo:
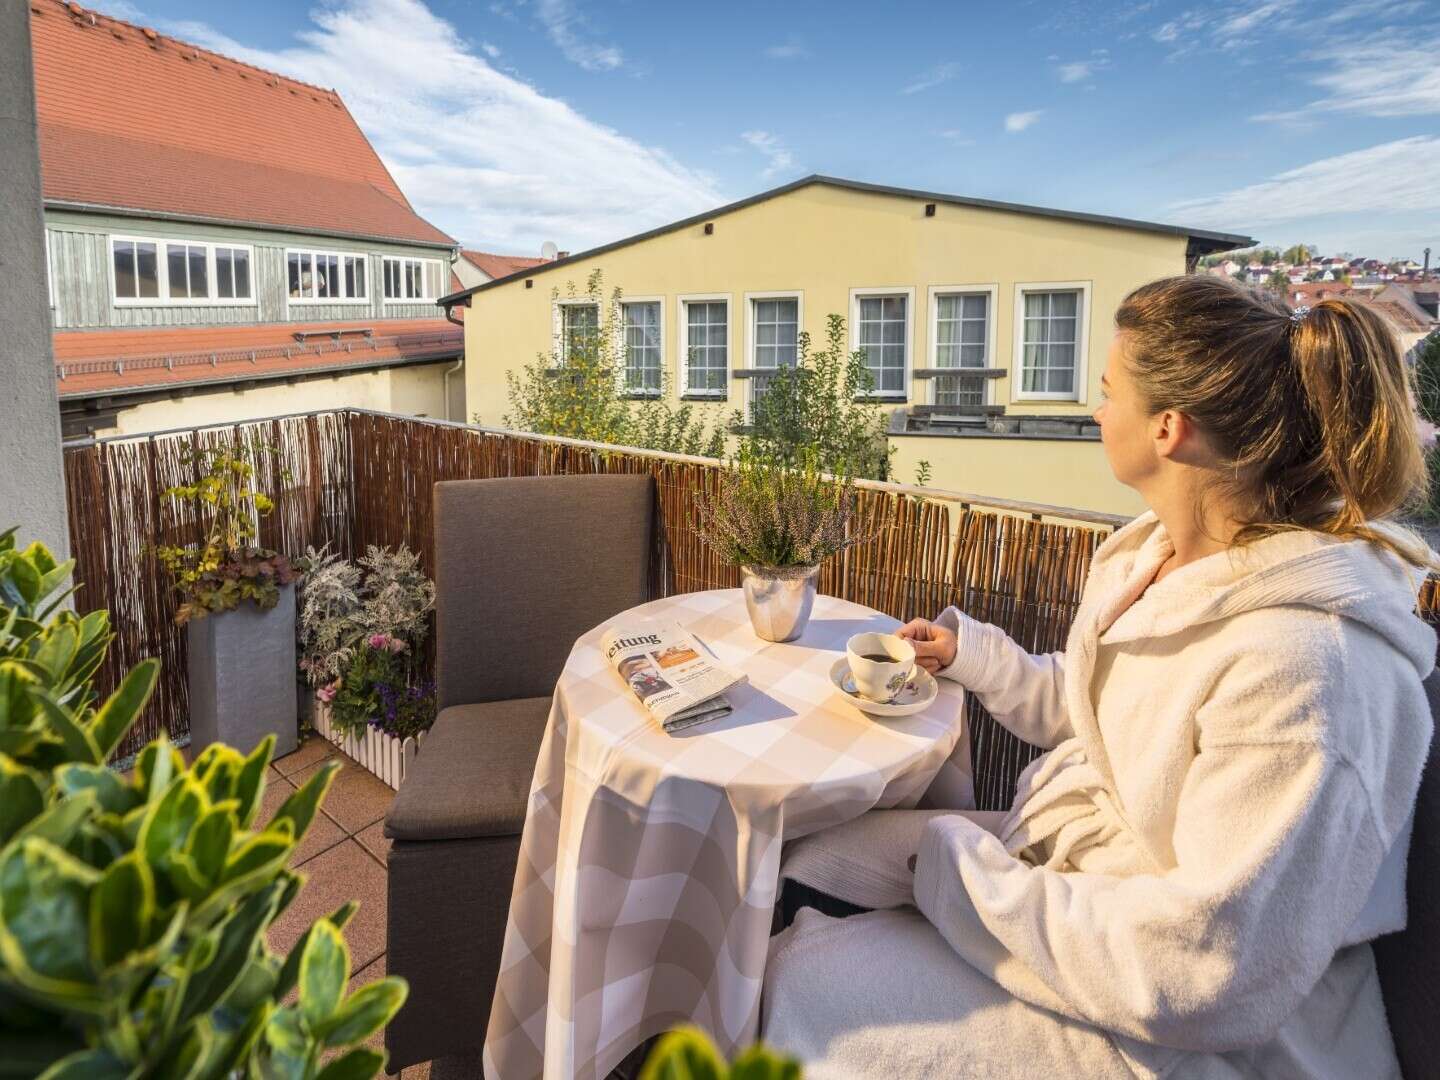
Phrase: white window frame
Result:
[1082,344]
[907,291]
[798,295]
[557,321]
[932,316]
[682,341]
[623,351]
[424,278]
[162,273]
[50,268]
[340,257]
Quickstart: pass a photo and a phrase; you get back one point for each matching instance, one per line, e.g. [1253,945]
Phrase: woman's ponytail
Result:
[1312,411]
[1356,386]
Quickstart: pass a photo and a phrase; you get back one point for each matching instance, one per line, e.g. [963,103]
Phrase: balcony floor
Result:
[343,856]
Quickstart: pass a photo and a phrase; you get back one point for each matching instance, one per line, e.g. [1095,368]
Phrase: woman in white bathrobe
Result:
[1186,882]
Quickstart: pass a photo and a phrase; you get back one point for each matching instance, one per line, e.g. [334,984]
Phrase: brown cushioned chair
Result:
[1407,960]
[523,566]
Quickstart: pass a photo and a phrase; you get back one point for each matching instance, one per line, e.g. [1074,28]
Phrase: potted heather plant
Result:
[777,522]
[362,628]
[237,603]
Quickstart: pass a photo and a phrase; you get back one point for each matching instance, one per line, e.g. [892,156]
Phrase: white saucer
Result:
[915,696]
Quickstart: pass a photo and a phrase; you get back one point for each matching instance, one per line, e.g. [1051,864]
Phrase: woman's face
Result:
[1125,425]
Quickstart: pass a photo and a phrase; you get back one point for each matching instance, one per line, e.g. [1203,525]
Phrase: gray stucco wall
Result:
[32,480]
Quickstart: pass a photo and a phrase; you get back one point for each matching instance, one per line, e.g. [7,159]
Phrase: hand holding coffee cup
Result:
[881,665]
[934,644]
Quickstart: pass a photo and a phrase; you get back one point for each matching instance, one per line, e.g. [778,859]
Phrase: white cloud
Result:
[568,29]
[790,51]
[480,153]
[778,157]
[1079,70]
[956,136]
[1381,75]
[940,73]
[1360,182]
[1019,121]
[1251,17]
[492,51]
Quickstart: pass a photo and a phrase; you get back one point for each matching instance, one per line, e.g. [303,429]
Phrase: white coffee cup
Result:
[874,679]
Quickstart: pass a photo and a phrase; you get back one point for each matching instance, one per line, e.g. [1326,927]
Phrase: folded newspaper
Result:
[670,673]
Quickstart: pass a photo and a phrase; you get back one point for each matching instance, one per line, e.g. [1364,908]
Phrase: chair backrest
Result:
[523,566]
[1407,960]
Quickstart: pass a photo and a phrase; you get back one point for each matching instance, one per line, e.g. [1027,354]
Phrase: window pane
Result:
[1037,330]
[292,270]
[432,280]
[894,333]
[199,274]
[1036,304]
[327,276]
[947,307]
[124,254]
[1064,303]
[1061,381]
[355,277]
[224,274]
[175,266]
[975,306]
[972,332]
[240,266]
[870,307]
[1062,330]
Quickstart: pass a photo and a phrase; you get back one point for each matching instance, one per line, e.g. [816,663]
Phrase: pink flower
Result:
[378,641]
[396,645]
[326,694]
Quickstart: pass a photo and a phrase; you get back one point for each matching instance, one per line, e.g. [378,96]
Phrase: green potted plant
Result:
[687,1053]
[134,907]
[777,522]
[363,625]
[237,603]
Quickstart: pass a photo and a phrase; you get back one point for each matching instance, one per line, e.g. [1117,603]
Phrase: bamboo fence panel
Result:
[351,479]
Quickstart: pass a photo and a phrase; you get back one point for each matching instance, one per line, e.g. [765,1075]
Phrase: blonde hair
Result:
[1312,412]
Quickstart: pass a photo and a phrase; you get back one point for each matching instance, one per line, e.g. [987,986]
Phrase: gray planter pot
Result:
[242,677]
[779,599]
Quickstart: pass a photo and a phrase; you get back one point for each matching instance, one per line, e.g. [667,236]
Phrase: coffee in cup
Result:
[881,665]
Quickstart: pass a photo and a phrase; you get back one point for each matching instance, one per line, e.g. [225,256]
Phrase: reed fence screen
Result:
[351,478]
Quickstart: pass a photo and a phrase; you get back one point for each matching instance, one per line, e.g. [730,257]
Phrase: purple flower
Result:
[378,641]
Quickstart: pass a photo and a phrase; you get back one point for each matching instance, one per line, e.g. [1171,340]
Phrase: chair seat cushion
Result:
[472,774]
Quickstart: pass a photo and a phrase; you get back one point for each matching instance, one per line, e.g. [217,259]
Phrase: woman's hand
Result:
[934,645]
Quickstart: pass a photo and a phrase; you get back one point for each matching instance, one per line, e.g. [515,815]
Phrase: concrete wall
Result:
[32,480]
[412,391]
[822,242]
[1062,472]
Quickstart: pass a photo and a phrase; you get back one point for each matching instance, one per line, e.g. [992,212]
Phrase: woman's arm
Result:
[1024,692]
[1276,847]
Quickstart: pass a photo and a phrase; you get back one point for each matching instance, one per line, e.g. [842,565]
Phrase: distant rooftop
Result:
[134,121]
[498,266]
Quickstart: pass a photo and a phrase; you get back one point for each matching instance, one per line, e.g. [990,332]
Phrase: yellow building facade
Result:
[928,284]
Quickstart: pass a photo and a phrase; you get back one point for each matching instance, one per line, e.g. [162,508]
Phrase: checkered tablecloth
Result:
[649,862]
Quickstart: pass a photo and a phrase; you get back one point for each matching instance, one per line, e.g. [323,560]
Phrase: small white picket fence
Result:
[384,755]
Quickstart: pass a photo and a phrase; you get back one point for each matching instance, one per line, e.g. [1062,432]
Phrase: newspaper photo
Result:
[670,673]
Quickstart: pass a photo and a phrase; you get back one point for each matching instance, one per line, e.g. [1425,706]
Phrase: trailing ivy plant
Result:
[134,908]
[688,1054]
[228,567]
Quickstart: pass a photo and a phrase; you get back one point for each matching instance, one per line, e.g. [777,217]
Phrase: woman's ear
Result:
[1178,438]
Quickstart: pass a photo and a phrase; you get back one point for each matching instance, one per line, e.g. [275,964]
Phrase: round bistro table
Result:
[649,862]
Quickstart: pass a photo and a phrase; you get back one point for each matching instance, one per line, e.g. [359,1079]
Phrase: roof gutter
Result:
[201,219]
[448,302]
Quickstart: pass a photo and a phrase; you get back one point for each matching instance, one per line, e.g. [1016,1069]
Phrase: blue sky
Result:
[510,122]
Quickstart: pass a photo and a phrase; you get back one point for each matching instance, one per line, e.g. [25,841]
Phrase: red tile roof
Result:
[137,120]
[94,362]
[498,266]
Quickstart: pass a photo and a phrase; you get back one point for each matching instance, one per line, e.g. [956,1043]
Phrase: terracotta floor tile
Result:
[374,840]
[416,1072]
[308,753]
[356,798]
[345,872]
[323,833]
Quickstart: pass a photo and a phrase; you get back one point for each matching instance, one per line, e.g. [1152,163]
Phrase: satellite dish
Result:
[548,251]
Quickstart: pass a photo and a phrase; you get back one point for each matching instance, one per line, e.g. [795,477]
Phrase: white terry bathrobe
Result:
[1186,882]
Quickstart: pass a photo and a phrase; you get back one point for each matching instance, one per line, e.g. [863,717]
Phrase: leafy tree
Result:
[578,390]
[822,407]
[1278,281]
[1296,254]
